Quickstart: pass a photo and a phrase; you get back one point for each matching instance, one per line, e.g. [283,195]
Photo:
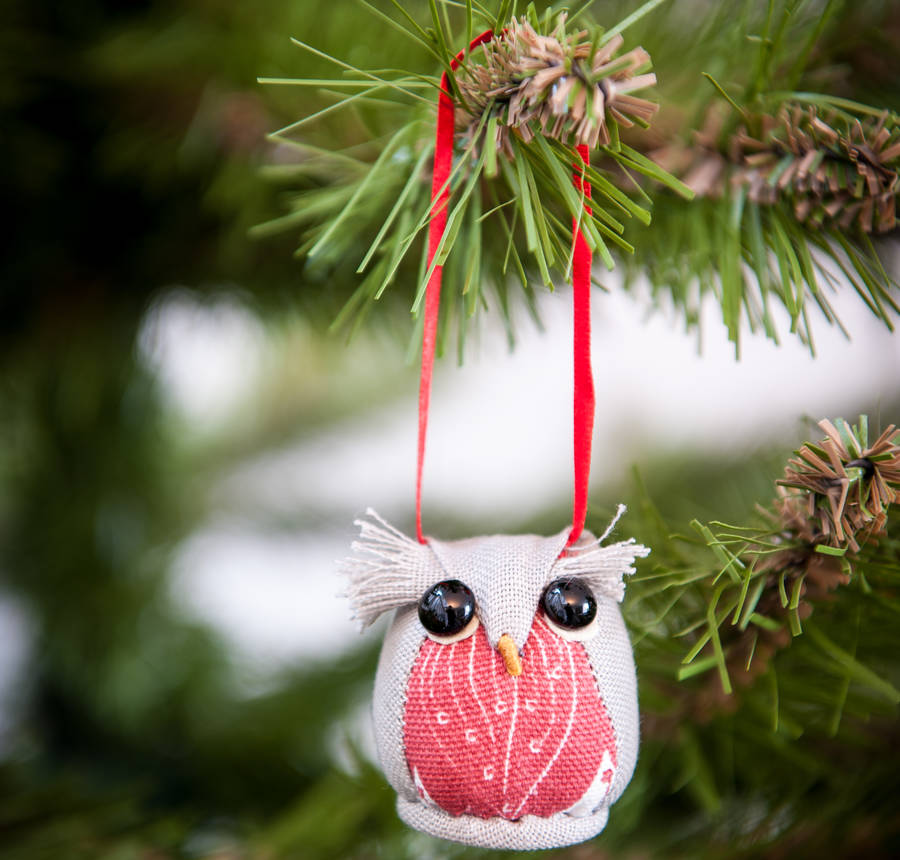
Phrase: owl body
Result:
[478,754]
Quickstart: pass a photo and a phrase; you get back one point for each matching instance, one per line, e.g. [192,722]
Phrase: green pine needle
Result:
[537,185]
[753,258]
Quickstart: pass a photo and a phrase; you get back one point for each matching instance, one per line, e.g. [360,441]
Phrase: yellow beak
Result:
[510,654]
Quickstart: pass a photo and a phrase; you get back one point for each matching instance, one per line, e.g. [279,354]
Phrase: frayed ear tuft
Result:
[602,567]
[390,570]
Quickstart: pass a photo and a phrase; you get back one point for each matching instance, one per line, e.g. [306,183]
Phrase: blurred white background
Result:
[499,445]
[499,441]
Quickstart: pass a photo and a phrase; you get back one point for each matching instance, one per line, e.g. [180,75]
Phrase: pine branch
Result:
[791,186]
[530,96]
[769,229]
[745,592]
[800,189]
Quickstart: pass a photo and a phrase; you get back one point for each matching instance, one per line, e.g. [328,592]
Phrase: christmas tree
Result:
[195,167]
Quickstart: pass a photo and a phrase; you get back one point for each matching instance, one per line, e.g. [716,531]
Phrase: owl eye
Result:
[448,609]
[569,604]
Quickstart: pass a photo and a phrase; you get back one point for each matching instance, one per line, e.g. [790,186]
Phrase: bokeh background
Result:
[184,447]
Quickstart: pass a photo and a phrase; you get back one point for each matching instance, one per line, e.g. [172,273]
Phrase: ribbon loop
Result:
[584,404]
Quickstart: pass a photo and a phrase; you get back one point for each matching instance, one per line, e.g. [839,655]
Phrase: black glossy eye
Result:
[569,603]
[446,607]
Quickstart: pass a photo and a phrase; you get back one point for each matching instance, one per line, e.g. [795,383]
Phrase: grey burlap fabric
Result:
[507,575]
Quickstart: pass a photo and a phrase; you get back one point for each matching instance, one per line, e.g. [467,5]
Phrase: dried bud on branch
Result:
[848,485]
[560,85]
[834,496]
[847,176]
[833,169]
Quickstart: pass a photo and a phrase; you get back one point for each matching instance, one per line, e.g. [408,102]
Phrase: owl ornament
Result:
[505,704]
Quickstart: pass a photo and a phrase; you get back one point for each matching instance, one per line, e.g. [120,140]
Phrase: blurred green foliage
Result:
[133,136]
[132,139]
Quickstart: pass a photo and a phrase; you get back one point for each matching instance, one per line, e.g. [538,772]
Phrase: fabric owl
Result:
[505,704]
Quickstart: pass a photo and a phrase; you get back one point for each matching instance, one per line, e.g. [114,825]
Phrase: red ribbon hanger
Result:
[584,403]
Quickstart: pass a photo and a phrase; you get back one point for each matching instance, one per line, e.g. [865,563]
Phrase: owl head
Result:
[505,702]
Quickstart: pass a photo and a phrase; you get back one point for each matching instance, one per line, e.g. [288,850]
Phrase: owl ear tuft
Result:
[602,567]
[390,570]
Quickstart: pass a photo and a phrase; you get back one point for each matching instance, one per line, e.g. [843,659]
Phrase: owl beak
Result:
[510,654]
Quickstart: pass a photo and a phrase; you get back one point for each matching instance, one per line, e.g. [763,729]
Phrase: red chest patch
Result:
[481,742]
